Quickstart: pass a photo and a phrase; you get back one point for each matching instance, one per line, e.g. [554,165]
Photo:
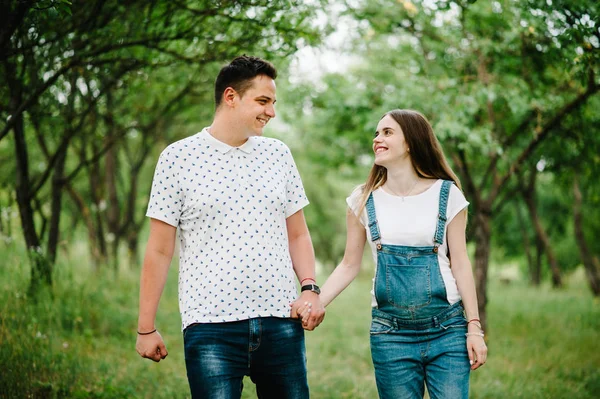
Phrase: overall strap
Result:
[373,227]
[438,239]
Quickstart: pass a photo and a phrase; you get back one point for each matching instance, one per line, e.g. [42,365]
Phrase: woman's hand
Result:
[476,347]
[309,308]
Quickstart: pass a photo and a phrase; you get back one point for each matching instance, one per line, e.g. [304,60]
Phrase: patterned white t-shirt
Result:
[230,205]
[412,222]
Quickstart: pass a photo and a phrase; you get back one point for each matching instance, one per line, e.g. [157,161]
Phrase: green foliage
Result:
[492,77]
[578,157]
[554,206]
[111,84]
[54,7]
[77,340]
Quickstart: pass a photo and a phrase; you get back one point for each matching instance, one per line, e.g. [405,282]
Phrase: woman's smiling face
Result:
[389,144]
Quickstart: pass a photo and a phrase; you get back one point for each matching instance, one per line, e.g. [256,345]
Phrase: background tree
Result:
[575,165]
[71,88]
[497,79]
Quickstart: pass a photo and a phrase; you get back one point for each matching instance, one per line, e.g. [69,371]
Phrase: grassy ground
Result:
[78,341]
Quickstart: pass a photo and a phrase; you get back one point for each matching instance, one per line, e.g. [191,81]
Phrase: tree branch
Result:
[542,134]
[531,115]
[75,129]
[29,102]
[460,161]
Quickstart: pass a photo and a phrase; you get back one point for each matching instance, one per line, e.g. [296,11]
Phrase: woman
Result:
[425,328]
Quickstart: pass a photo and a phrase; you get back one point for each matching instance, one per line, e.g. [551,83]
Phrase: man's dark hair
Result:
[239,73]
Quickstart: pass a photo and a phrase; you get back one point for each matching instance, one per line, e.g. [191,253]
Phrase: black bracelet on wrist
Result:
[147,333]
[311,287]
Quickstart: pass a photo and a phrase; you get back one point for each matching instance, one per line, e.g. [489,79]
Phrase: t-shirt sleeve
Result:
[166,197]
[456,203]
[353,203]
[295,196]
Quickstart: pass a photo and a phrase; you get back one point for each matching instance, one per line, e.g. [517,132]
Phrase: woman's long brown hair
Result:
[426,153]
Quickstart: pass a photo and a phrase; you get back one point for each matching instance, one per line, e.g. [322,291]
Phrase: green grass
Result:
[77,341]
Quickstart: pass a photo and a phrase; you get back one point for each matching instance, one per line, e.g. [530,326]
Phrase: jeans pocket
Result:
[188,329]
[454,322]
[380,326]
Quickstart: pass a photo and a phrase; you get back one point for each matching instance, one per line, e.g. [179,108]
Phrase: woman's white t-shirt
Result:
[411,221]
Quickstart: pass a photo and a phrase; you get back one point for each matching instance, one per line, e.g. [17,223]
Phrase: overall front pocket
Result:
[408,285]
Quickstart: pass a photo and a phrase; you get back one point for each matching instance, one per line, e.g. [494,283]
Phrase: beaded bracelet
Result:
[147,333]
[478,334]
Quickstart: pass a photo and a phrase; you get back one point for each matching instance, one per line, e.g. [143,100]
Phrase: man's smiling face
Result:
[257,105]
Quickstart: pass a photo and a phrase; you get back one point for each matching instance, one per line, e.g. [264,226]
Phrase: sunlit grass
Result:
[78,340]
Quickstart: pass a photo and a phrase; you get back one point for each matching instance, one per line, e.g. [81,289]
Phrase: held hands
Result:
[476,347]
[308,307]
[151,346]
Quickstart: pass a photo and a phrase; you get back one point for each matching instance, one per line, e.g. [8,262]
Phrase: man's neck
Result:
[227,132]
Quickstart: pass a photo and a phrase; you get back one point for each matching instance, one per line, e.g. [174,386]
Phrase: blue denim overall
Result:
[417,337]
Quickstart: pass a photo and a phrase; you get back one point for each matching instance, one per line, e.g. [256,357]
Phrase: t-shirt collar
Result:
[224,148]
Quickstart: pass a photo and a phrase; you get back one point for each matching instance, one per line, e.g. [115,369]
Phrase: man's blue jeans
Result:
[270,350]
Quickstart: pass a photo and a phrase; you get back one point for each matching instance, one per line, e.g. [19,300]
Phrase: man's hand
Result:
[308,307]
[151,346]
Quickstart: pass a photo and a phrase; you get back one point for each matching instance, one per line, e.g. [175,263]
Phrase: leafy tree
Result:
[66,85]
[497,79]
[575,164]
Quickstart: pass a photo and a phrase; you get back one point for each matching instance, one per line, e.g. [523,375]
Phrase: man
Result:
[237,200]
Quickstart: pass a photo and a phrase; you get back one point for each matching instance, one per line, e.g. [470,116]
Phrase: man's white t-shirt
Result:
[411,221]
[230,205]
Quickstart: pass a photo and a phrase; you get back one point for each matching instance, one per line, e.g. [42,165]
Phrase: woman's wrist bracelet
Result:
[477,334]
[475,321]
[307,278]
[147,333]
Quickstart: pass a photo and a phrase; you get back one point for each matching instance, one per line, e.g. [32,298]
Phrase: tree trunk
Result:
[539,255]
[96,195]
[529,197]
[130,226]
[482,258]
[590,261]
[12,15]
[58,178]
[41,271]
[56,204]
[110,170]
[526,243]
[132,249]
[86,215]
